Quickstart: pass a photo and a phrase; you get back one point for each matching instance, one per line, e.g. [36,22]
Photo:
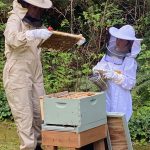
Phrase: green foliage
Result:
[57,73]
[70,70]
[93,22]
[140,126]
[141,93]
[4,107]
[66,71]
[2,5]
[2,27]
[3,14]
[143,24]
[5,6]
[101,16]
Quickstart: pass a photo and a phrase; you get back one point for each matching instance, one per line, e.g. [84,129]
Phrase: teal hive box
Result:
[74,114]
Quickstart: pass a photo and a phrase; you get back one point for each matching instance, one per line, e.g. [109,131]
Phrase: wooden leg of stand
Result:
[50,148]
[99,145]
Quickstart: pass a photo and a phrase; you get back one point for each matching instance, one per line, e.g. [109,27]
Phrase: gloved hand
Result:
[80,42]
[100,71]
[98,80]
[118,78]
[38,34]
[95,71]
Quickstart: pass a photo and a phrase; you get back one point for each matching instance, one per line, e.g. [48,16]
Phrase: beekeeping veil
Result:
[126,32]
[29,5]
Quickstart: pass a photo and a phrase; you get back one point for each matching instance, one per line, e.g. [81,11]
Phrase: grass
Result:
[9,138]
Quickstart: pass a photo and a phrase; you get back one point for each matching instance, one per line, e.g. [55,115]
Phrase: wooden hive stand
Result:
[52,139]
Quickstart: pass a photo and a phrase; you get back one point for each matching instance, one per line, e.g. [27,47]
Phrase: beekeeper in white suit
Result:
[119,67]
[22,75]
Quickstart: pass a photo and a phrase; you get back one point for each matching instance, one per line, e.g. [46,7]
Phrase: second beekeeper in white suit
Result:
[119,66]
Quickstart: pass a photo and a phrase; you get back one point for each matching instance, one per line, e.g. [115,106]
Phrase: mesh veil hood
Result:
[18,10]
[135,49]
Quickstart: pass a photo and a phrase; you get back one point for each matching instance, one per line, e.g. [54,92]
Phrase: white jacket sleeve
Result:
[129,73]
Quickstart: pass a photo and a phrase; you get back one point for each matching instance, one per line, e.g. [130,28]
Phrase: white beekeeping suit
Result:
[22,74]
[121,71]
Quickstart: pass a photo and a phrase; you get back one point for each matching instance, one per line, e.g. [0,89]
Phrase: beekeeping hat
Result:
[40,3]
[126,32]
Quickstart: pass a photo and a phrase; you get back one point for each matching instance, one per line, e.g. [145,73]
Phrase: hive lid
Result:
[61,41]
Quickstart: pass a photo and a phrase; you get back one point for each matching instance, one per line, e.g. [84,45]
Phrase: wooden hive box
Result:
[61,41]
[78,111]
[118,132]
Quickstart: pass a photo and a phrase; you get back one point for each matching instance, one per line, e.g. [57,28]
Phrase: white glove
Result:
[95,71]
[114,76]
[38,34]
[80,42]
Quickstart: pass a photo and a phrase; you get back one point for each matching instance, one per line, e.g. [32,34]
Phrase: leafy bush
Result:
[66,71]
[141,93]
[58,76]
[5,112]
[69,71]
[4,107]
[140,125]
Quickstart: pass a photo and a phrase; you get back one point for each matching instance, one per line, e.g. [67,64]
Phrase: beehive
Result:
[76,111]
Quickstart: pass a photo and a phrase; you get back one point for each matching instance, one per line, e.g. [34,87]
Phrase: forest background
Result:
[69,70]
